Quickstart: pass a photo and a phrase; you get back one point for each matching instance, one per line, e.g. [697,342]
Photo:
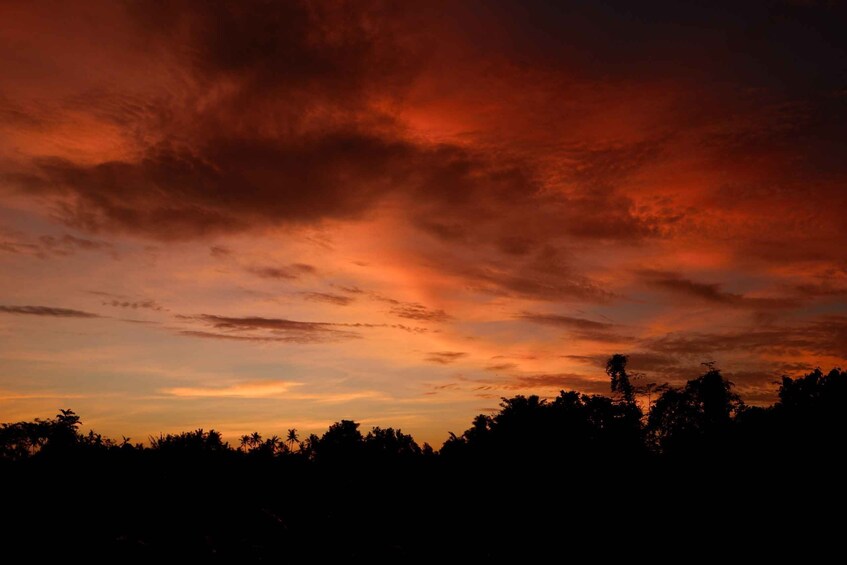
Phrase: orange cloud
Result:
[258,389]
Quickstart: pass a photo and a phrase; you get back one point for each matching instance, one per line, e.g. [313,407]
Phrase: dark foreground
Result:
[701,476]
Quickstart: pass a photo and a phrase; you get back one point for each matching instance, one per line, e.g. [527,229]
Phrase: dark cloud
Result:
[274,273]
[350,289]
[123,301]
[407,310]
[329,298]
[295,139]
[18,114]
[135,304]
[602,336]
[259,339]
[515,245]
[284,117]
[501,367]
[290,272]
[220,251]
[711,292]
[412,329]
[539,383]
[279,329]
[299,138]
[559,381]
[337,52]
[826,335]
[445,357]
[569,322]
[522,357]
[147,322]
[448,232]
[818,290]
[579,328]
[251,323]
[47,311]
[272,329]
[46,246]
[18,247]
[237,184]
[419,312]
[784,43]
[552,283]
[67,244]
[232,185]
[288,118]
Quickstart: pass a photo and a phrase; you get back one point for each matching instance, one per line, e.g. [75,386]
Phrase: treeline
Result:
[703,418]
[61,437]
[641,465]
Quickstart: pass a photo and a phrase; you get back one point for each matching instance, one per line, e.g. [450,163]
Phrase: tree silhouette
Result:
[699,451]
[196,442]
[342,441]
[682,419]
[810,415]
[651,389]
[245,442]
[389,443]
[616,369]
[292,438]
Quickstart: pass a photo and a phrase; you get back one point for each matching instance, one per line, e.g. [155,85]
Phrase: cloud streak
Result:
[445,357]
[712,292]
[328,298]
[49,311]
[568,322]
[254,328]
[256,389]
[291,272]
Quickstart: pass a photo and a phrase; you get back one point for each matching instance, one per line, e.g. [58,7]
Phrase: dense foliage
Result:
[697,450]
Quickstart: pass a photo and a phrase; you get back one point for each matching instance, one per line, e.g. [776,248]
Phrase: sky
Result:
[261,215]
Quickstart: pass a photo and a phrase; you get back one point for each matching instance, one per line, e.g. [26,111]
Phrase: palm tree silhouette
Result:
[272,444]
[292,438]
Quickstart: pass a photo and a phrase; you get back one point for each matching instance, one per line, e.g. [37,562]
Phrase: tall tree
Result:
[292,438]
[616,369]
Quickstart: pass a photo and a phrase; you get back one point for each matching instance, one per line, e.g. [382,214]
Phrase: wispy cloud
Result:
[283,390]
[580,328]
[560,321]
[253,389]
[826,335]
[247,338]
[47,311]
[289,272]
[135,304]
[46,246]
[419,312]
[258,329]
[712,292]
[220,251]
[328,298]
[445,357]
[255,322]
[558,381]
[501,367]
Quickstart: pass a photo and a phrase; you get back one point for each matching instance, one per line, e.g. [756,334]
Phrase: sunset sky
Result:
[263,215]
